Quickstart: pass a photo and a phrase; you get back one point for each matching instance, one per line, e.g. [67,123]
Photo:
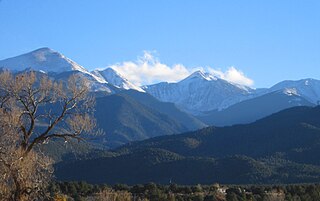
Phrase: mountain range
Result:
[202,129]
[281,148]
[127,112]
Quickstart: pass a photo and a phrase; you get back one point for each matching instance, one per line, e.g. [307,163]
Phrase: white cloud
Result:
[232,75]
[147,69]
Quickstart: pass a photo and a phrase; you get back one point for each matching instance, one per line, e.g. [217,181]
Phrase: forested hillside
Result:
[276,149]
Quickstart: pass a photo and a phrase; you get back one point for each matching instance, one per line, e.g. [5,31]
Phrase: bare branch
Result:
[27,103]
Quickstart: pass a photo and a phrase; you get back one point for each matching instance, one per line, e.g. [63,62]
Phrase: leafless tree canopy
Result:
[43,109]
[34,111]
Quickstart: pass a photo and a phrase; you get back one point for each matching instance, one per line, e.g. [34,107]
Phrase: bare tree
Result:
[32,112]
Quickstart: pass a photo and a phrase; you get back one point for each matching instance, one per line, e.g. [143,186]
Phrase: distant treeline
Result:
[80,191]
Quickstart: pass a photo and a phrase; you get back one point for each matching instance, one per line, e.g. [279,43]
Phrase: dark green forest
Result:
[281,148]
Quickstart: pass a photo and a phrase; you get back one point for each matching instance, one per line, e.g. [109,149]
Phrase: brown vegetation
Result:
[32,112]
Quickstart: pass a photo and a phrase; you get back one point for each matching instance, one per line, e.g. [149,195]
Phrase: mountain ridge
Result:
[198,100]
[254,109]
[199,92]
[275,149]
[115,78]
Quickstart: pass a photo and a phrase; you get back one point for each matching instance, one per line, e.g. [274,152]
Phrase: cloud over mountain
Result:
[148,69]
[232,75]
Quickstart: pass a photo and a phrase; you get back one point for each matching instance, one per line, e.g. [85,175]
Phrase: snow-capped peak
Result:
[199,92]
[202,75]
[115,78]
[44,59]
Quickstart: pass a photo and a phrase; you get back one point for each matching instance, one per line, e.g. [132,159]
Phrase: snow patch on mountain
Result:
[306,88]
[290,91]
[111,76]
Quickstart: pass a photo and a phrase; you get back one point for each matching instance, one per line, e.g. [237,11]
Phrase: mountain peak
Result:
[308,88]
[200,74]
[42,54]
[113,77]
[42,59]
[44,49]
[200,92]
[111,71]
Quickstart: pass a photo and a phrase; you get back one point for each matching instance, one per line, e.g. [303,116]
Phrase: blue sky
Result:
[268,41]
